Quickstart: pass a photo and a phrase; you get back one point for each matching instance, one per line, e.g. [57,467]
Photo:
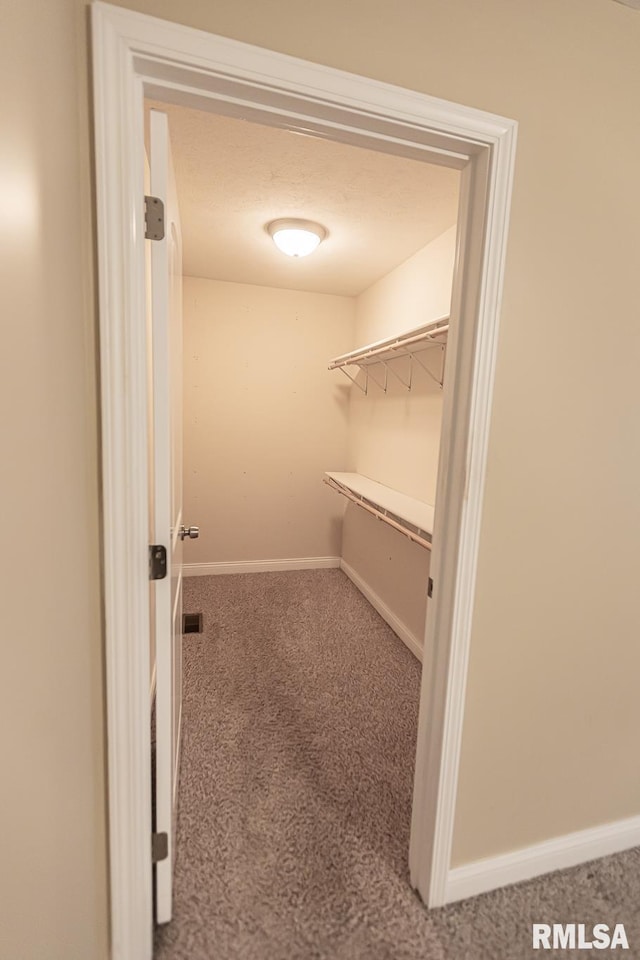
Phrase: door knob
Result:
[191,532]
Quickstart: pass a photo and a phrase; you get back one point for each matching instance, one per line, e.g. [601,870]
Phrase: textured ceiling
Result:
[234,177]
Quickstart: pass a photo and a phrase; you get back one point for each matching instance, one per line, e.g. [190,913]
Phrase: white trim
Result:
[500,177]
[134,54]
[482,237]
[176,775]
[398,627]
[178,597]
[258,566]
[569,850]
[152,688]
[118,112]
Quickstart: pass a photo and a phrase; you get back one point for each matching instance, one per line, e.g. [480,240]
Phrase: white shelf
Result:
[414,518]
[404,345]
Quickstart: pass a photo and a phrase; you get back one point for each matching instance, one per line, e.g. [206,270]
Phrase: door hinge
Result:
[430,587]
[159,847]
[153,218]
[157,562]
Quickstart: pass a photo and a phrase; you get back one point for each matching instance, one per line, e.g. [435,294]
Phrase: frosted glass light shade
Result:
[296,238]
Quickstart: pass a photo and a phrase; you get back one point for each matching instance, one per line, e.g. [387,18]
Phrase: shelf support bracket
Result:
[354,380]
[404,383]
[426,369]
[383,386]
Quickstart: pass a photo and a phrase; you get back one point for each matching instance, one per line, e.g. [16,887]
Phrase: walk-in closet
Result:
[312,406]
[323,368]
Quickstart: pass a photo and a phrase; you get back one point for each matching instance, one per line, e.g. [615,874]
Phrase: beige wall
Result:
[552,700]
[417,291]
[393,567]
[263,420]
[395,437]
[53,880]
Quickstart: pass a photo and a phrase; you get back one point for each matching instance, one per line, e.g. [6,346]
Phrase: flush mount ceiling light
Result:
[296,238]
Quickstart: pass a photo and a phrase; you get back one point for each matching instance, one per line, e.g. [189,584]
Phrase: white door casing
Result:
[166,311]
[135,55]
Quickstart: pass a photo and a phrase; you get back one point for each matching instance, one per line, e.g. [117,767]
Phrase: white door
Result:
[166,306]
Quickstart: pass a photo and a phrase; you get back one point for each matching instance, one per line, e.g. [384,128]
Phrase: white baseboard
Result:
[569,850]
[258,566]
[396,625]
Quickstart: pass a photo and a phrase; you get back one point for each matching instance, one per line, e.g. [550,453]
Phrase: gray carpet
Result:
[299,724]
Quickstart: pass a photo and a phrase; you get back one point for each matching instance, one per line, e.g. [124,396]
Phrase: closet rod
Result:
[377,513]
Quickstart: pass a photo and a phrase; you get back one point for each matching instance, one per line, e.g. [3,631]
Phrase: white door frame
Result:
[135,56]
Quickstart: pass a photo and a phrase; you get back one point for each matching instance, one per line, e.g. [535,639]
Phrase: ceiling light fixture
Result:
[296,238]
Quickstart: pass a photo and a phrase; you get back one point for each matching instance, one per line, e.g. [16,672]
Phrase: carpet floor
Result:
[299,724]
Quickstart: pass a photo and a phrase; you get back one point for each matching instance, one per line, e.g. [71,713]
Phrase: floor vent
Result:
[192,623]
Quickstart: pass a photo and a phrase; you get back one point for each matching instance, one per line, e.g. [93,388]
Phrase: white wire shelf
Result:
[413,518]
[408,344]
